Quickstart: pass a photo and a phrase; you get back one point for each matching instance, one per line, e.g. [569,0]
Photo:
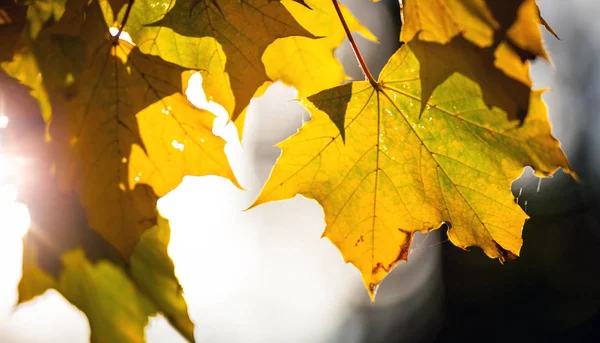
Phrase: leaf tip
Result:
[254,204]
[236,183]
[303,3]
[505,255]
[372,289]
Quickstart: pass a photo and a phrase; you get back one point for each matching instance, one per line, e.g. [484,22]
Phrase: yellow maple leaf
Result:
[203,54]
[479,21]
[306,63]
[244,29]
[512,26]
[429,144]
[61,251]
[129,134]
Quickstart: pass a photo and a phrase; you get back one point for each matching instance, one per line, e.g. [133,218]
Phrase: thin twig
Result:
[359,58]
[125,17]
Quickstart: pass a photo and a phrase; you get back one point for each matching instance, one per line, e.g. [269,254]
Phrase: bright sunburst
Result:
[14,217]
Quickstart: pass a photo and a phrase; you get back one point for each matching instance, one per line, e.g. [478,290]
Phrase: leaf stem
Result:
[125,17]
[359,58]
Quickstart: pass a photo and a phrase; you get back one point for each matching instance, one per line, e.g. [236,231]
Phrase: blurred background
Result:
[284,284]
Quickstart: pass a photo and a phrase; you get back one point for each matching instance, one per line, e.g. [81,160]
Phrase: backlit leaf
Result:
[116,310]
[480,21]
[66,255]
[429,146]
[43,12]
[203,54]
[244,29]
[61,251]
[435,143]
[107,158]
[510,27]
[306,63]
[154,273]
[25,68]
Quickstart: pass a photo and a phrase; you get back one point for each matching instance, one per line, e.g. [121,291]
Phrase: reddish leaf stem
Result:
[125,17]
[359,58]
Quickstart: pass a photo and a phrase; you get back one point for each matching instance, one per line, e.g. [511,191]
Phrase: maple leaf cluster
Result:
[435,141]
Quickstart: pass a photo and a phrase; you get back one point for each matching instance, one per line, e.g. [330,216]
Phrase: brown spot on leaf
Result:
[505,255]
[360,240]
[402,255]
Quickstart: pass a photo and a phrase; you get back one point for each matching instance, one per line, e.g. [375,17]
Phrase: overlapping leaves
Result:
[413,161]
[61,251]
[306,63]
[244,29]
[436,141]
[277,47]
[482,22]
[510,28]
[122,133]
